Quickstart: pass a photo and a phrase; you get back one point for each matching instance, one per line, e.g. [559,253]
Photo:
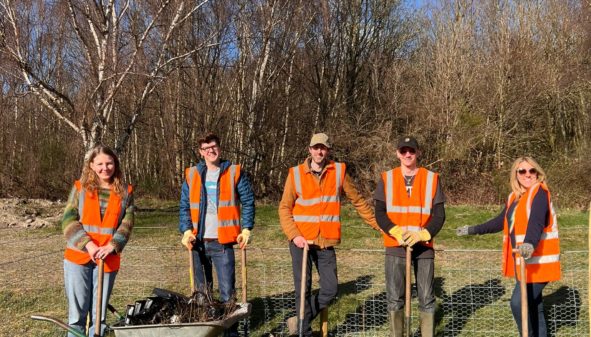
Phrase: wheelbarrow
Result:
[199,329]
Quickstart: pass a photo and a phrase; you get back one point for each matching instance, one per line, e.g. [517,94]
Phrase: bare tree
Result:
[79,64]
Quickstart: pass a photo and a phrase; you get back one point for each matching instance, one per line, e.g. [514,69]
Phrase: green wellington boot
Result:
[427,324]
[396,323]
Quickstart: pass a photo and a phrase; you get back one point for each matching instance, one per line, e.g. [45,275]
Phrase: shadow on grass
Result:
[460,305]
[562,309]
[277,308]
[463,303]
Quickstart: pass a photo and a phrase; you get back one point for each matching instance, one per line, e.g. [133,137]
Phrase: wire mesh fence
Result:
[472,296]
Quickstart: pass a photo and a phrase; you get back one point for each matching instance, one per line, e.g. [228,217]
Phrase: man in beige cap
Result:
[309,213]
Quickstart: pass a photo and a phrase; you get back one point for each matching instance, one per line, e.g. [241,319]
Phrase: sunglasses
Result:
[405,150]
[523,171]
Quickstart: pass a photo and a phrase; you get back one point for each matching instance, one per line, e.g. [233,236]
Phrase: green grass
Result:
[156,226]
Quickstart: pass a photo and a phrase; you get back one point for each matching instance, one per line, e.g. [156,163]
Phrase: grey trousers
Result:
[326,264]
[395,283]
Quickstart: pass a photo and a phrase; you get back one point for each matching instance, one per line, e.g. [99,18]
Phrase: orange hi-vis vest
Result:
[228,202]
[409,213]
[317,209]
[99,230]
[544,265]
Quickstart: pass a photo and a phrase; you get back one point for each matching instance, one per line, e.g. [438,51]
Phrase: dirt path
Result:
[30,213]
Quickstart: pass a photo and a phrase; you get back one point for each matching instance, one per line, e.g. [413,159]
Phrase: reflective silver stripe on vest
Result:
[339,169]
[192,176]
[81,198]
[390,208]
[232,201]
[429,192]
[545,236]
[297,180]
[98,230]
[409,209]
[511,224]
[193,205]
[316,218]
[228,223]
[529,197]
[412,228]
[542,259]
[314,201]
[389,191]
[325,198]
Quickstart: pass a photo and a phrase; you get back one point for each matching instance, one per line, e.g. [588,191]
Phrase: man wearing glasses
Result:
[309,213]
[409,208]
[213,195]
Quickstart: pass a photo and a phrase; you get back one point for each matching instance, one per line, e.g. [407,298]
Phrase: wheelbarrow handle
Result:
[59,323]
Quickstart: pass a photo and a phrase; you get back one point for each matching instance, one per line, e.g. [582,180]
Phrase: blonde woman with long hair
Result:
[97,223]
[528,222]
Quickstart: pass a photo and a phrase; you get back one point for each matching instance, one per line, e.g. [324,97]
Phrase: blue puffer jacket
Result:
[243,189]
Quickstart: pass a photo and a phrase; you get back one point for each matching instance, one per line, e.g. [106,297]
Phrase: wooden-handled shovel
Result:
[523,288]
[407,292]
[303,290]
[191,271]
[243,263]
[99,298]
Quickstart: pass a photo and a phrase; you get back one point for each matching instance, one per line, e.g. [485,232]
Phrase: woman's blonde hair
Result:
[514,182]
[90,180]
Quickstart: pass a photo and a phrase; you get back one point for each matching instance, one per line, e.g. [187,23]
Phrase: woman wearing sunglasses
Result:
[528,222]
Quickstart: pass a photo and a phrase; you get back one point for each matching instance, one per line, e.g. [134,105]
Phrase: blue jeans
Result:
[206,253]
[81,283]
[535,306]
[221,256]
[395,282]
[326,264]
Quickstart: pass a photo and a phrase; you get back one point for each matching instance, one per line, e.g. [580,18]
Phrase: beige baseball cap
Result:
[320,138]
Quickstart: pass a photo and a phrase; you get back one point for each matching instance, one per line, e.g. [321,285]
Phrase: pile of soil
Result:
[30,213]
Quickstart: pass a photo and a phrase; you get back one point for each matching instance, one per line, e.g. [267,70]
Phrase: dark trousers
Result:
[326,265]
[535,305]
[396,285]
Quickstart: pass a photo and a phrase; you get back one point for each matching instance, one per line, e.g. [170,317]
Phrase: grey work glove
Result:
[464,230]
[526,250]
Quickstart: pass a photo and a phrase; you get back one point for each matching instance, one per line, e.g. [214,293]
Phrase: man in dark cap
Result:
[410,210]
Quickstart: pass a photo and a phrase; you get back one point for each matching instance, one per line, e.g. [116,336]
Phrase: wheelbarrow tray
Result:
[199,329]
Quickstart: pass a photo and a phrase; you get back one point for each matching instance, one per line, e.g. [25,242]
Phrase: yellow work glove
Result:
[396,233]
[188,239]
[411,238]
[243,238]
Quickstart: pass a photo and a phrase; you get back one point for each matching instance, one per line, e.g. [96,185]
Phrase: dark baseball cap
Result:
[407,141]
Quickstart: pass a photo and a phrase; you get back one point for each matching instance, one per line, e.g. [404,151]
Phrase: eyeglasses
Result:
[522,171]
[205,149]
[404,150]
